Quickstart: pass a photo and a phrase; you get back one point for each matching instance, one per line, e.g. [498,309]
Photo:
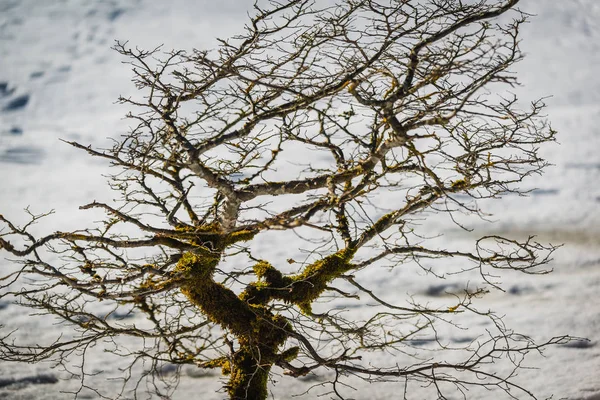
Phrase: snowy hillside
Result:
[59,79]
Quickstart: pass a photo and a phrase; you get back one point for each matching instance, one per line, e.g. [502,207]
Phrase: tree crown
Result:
[342,124]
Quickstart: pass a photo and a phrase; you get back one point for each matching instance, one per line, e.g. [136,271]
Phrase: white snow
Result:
[57,53]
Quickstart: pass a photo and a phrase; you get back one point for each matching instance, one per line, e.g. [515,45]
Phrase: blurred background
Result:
[59,79]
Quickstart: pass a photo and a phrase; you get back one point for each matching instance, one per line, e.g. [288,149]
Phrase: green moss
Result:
[248,379]
[212,236]
[249,366]
[249,370]
[208,235]
[198,265]
[152,284]
[272,330]
[226,368]
[309,285]
[217,302]
[256,293]
[239,236]
[272,284]
[221,306]
[271,276]
[328,268]
[221,362]
[290,354]
[262,268]
[301,289]
[259,332]
[305,307]
[460,184]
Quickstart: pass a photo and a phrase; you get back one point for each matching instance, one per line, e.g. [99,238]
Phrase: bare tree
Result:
[406,111]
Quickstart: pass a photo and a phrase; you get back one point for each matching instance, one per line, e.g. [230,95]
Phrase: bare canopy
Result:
[341,124]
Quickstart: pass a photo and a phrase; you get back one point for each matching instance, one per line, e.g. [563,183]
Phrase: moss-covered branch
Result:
[301,289]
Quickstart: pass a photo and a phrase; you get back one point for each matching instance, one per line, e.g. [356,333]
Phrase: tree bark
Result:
[248,376]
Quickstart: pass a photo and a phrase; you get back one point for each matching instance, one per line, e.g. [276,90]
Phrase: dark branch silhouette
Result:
[406,111]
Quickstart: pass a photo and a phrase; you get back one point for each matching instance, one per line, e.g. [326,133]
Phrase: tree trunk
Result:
[248,377]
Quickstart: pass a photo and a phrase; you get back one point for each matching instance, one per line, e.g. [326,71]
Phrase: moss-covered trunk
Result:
[260,334]
[248,376]
[258,331]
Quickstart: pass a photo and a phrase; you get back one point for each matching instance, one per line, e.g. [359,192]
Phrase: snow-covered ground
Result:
[59,79]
